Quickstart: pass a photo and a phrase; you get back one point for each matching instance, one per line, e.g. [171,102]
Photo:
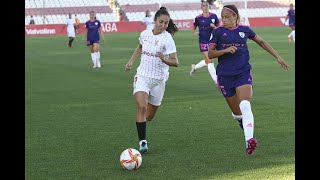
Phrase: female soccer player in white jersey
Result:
[158,52]
[148,21]
[229,45]
[70,29]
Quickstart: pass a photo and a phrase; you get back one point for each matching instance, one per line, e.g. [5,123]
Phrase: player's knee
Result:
[150,117]
[208,61]
[142,107]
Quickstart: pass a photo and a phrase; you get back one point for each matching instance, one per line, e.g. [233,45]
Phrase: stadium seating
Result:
[55,11]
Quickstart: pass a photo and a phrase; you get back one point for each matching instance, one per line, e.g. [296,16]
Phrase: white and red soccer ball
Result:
[130,159]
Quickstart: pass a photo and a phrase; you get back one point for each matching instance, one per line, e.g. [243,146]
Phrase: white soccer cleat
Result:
[143,146]
[193,70]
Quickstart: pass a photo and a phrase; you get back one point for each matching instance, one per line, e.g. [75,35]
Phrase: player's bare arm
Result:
[101,34]
[194,32]
[213,25]
[63,27]
[267,47]
[134,56]
[171,60]
[213,52]
[85,34]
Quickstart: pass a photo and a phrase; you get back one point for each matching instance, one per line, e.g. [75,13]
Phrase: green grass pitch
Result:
[78,119]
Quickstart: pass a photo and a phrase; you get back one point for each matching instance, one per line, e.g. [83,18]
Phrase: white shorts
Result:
[71,33]
[154,87]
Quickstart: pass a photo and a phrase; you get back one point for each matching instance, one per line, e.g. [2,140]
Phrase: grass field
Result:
[78,119]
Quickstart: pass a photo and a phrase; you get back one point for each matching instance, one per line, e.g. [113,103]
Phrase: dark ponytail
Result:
[172,28]
[208,1]
[211,1]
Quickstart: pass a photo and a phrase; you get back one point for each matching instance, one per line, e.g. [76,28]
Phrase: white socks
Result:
[200,64]
[98,59]
[247,119]
[95,57]
[212,71]
[293,35]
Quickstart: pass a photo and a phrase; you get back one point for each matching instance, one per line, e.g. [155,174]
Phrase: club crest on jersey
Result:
[213,20]
[156,42]
[96,23]
[241,34]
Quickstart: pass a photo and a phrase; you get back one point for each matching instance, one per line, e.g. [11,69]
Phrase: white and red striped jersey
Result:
[151,65]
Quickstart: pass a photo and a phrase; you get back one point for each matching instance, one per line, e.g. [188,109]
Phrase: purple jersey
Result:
[291,15]
[203,23]
[93,30]
[233,64]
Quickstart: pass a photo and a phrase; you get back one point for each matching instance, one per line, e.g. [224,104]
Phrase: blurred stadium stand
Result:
[56,11]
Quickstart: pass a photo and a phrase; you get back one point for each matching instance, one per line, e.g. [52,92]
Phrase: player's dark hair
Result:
[209,1]
[172,28]
[146,12]
[235,10]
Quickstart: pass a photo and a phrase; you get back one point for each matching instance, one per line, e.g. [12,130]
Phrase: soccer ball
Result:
[130,159]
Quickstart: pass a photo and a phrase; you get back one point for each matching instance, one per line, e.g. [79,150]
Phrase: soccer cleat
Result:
[143,146]
[240,123]
[251,146]
[193,70]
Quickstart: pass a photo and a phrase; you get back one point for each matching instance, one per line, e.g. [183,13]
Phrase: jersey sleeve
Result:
[170,45]
[195,23]
[251,33]
[217,22]
[141,37]
[214,37]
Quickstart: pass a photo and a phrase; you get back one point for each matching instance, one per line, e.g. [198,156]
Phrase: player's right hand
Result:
[231,49]
[128,66]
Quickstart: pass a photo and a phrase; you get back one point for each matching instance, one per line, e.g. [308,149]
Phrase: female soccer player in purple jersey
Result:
[205,23]
[291,16]
[229,44]
[158,51]
[92,36]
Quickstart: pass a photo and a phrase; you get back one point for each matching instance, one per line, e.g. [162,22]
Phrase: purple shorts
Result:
[204,46]
[89,43]
[292,23]
[228,84]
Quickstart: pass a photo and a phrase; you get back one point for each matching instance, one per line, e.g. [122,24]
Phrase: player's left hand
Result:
[162,56]
[283,64]
[212,25]
[128,66]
